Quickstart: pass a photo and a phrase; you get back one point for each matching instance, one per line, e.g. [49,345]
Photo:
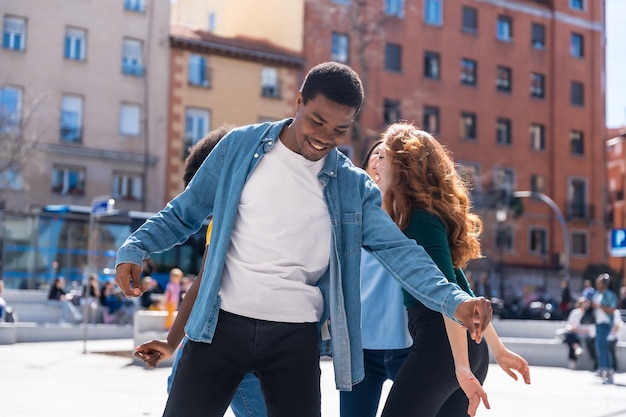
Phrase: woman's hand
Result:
[510,361]
[154,351]
[472,389]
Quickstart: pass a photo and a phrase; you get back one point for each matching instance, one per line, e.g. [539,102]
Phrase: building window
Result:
[577,45]
[14,33]
[342,1]
[433,12]
[577,143]
[68,180]
[504,27]
[470,173]
[537,85]
[392,111]
[10,110]
[131,58]
[538,240]
[577,4]
[197,122]
[431,65]
[468,71]
[198,71]
[504,180]
[211,22]
[537,137]
[393,57]
[579,244]
[504,80]
[538,39]
[394,8]
[130,120]
[269,83]
[134,5]
[504,238]
[577,198]
[503,131]
[468,125]
[75,41]
[127,187]
[71,119]
[11,179]
[339,48]
[430,119]
[577,93]
[537,183]
[470,19]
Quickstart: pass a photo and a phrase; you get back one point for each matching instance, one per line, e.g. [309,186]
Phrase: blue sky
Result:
[615,63]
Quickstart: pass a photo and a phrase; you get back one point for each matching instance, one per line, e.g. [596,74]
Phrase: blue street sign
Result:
[102,207]
[618,242]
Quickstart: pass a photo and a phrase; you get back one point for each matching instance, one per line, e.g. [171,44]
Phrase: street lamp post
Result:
[501,216]
[560,218]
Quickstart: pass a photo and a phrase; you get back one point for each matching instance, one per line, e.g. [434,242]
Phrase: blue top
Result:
[383,316]
[357,221]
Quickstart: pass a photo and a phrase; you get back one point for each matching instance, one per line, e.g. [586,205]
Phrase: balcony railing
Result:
[133,69]
[581,211]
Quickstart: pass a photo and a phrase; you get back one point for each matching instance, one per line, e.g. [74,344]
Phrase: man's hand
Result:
[511,361]
[128,278]
[154,351]
[475,314]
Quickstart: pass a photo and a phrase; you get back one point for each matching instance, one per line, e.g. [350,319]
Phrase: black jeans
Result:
[284,356]
[426,385]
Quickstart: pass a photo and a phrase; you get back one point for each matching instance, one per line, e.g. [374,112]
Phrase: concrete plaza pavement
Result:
[57,379]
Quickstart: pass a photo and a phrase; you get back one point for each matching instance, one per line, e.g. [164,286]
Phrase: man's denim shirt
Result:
[357,220]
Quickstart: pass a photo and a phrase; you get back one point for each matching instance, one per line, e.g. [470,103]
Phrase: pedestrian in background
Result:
[172,295]
[604,304]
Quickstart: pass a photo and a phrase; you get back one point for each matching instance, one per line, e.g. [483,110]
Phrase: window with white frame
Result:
[431,65]
[579,243]
[135,5]
[197,125]
[577,45]
[130,119]
[10,109]
[538,36]
[470,172]
[339,48]
[14,33]
[127,186]
[504,28]
[430,119]
[433,12]
[71,129]
[537,85]
[468,71]
[211,24]
[11,179]
[68,180]
[503,131]
[538,183]
[269,82]
[394,8]
[577,142]
[391,111]
[131,57]
[75,42]
[537,137]
[469,22]
[198,71]
[577,198]
[468,125]
[577,4]
[538,241]
[504,80]
[393,57]
[504,179]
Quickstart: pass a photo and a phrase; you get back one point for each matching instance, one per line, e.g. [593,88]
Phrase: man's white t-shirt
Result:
[274,261]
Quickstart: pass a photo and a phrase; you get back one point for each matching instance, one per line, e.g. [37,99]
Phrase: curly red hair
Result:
[423,176]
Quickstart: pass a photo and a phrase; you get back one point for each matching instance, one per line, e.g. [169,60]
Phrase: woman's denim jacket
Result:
[357,221]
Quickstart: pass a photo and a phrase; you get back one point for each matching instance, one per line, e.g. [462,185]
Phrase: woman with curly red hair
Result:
[424,195]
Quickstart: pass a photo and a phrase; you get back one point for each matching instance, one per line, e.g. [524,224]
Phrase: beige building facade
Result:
[217,80]
[86,82]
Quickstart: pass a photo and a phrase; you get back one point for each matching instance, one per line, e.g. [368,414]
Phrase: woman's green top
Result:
[429,231]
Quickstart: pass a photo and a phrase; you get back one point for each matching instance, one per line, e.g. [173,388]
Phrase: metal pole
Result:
[560,218]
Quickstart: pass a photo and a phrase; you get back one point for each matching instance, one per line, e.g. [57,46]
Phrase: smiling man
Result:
[290,216]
